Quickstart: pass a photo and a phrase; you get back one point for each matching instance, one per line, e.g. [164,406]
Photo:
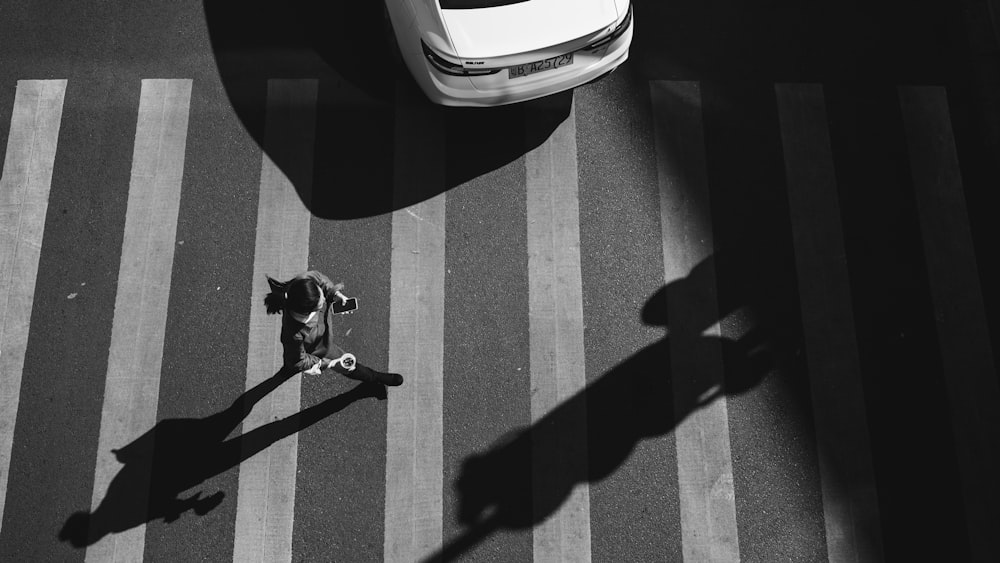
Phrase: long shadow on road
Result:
[179,454]
[637,400]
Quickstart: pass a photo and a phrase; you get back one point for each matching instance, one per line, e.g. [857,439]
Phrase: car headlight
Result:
[447,67]
[617,32]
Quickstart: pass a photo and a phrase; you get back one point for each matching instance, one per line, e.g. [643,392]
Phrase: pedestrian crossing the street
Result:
[579,385]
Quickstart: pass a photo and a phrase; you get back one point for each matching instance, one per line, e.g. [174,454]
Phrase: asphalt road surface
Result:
[735,301]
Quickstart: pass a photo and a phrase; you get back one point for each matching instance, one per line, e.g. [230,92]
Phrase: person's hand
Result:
[339,286]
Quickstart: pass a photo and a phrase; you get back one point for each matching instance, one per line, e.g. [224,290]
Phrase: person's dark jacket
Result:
[305,345]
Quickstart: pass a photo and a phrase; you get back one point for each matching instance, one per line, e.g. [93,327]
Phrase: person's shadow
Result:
[179,454]
[636,400]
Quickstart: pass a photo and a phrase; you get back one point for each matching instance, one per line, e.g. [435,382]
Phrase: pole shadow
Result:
[179,454]
[636,400]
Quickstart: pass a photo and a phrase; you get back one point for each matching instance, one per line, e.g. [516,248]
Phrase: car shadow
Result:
[343,45]
[179,454]
[636,400]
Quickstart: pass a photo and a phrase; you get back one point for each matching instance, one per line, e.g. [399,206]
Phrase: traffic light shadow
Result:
[179,454]
[361,99]
[639,399]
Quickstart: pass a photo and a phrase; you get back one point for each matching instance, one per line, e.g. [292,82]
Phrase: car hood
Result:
[526,26]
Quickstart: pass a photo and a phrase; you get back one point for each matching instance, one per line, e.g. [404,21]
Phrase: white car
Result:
[494,52]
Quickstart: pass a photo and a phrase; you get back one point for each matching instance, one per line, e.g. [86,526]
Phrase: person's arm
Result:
[295,355]
[329,288]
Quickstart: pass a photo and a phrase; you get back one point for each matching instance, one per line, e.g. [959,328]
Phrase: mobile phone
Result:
[345,306]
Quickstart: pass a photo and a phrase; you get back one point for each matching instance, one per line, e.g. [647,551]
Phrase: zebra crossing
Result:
[565,452]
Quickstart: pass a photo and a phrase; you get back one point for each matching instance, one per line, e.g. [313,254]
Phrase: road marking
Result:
[704,467]
[266,500]
[414,432]
[555,312]
[963,333]
[132,384]
[24,201]
[850,501]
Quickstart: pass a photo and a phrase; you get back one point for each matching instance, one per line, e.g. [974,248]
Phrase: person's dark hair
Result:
[298,295]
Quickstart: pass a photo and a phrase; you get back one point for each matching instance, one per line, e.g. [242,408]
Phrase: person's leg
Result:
[362,372]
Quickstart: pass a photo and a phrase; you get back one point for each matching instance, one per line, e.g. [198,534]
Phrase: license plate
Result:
[539,66]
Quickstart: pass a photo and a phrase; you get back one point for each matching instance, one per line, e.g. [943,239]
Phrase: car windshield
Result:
[473,4]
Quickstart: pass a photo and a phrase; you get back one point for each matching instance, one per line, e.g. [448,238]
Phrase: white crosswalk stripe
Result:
[266,499]
[133,379]
[555,310]
[963,334]
[705,470]
[850,502]
[414,432]
[24,198]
